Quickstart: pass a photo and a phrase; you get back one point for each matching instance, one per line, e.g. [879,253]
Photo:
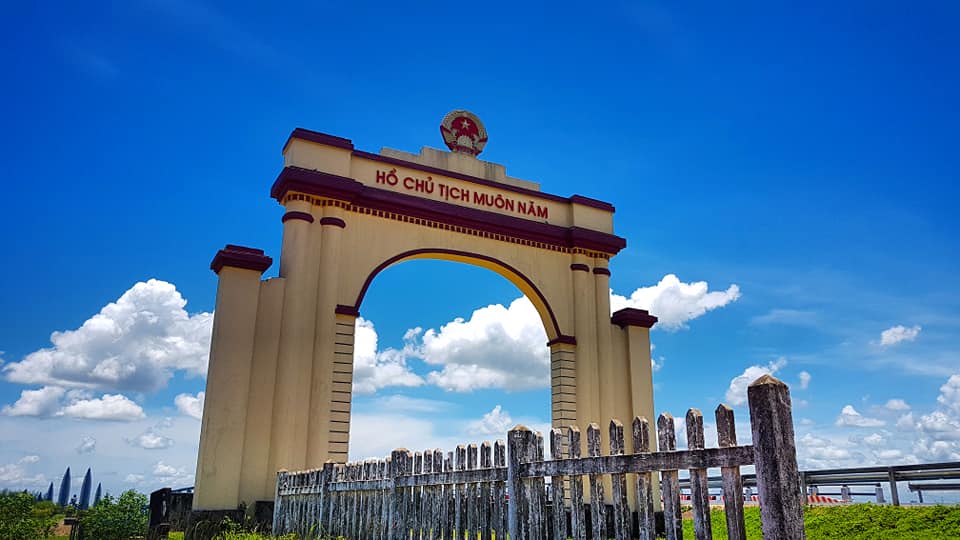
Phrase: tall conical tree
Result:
[63,497]
[96,496]
[49,496]
[85,491]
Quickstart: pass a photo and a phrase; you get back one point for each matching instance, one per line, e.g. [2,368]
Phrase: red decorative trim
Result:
[578,267]
[317,137]
[335,221]
[349,190]
[601,271]
[566,340]
[347,310]
[439,251]
[305,216]
[240,257]
[633,317]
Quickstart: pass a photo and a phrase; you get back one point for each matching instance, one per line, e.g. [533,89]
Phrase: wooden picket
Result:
[501,490]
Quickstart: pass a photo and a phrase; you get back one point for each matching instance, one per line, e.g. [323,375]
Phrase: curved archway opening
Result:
[445,353]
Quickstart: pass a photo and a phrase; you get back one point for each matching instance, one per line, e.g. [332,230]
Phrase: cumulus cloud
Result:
[134,344]
[17,476]
[133,478]
[87,445]
[42,402]
[108,407]
[849,417]
[151,439]
[675,302]
[897,405]
[190,405]
[898,334]
[804,380]
[497,347]
[737,391]
[495,423]
[949,397]
[373,369]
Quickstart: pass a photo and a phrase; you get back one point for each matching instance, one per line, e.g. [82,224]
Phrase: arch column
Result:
[563,381]
[332,379]
[585,325]
[228,375]
[298,267]
[610,378]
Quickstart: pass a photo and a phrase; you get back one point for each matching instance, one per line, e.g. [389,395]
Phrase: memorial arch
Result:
[279,383]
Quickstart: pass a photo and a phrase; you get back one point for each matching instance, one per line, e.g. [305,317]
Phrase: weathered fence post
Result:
[578,529]
[622,520]
[556,483]
[398,518]
[646,517]
[672,517]
[732,482]
[775,456]
[699,486]
[519,440]
[278,508]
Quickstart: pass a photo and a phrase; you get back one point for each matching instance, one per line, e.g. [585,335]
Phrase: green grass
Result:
[856,522]
[850,522]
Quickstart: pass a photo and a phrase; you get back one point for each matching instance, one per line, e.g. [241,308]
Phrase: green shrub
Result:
[22,518]
[121,519]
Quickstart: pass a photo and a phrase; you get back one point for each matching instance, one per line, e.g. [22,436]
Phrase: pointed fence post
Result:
[519,440]
[775,455]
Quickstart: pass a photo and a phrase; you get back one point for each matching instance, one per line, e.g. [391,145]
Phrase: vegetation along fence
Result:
[513,489]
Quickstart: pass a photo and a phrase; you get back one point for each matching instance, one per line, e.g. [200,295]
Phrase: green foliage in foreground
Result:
[117,519]
[856,522]
[23,518]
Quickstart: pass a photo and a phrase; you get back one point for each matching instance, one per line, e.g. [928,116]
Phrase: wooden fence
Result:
[512,489]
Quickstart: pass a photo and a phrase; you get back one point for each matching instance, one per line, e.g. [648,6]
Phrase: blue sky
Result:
[799,159]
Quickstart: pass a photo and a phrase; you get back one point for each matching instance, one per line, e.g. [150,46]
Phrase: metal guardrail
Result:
[864,476]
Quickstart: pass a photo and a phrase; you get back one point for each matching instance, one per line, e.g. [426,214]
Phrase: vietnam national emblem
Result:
[463,132]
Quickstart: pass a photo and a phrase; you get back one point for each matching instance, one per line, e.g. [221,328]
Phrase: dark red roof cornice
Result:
[347,189]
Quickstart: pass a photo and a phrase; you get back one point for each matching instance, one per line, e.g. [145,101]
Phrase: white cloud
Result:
[135,344]
[897,334]
[674,302]
[849,417]
[42,402]
[17,476]
[151,439]
[897,405]
[949,397]
[171,475]
[804,380]
[498,347]
[190,405]
[874,439]
[109,407]
[906,422]
[133,478]
[737,391]
[87,445]
[495,424]
[373,369]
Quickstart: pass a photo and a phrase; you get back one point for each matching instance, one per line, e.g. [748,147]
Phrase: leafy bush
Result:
[22,518]
[121,519]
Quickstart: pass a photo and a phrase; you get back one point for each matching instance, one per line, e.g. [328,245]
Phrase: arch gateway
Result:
[281,357]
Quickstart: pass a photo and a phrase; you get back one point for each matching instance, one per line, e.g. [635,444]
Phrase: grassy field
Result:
[857,522]
[851,522]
